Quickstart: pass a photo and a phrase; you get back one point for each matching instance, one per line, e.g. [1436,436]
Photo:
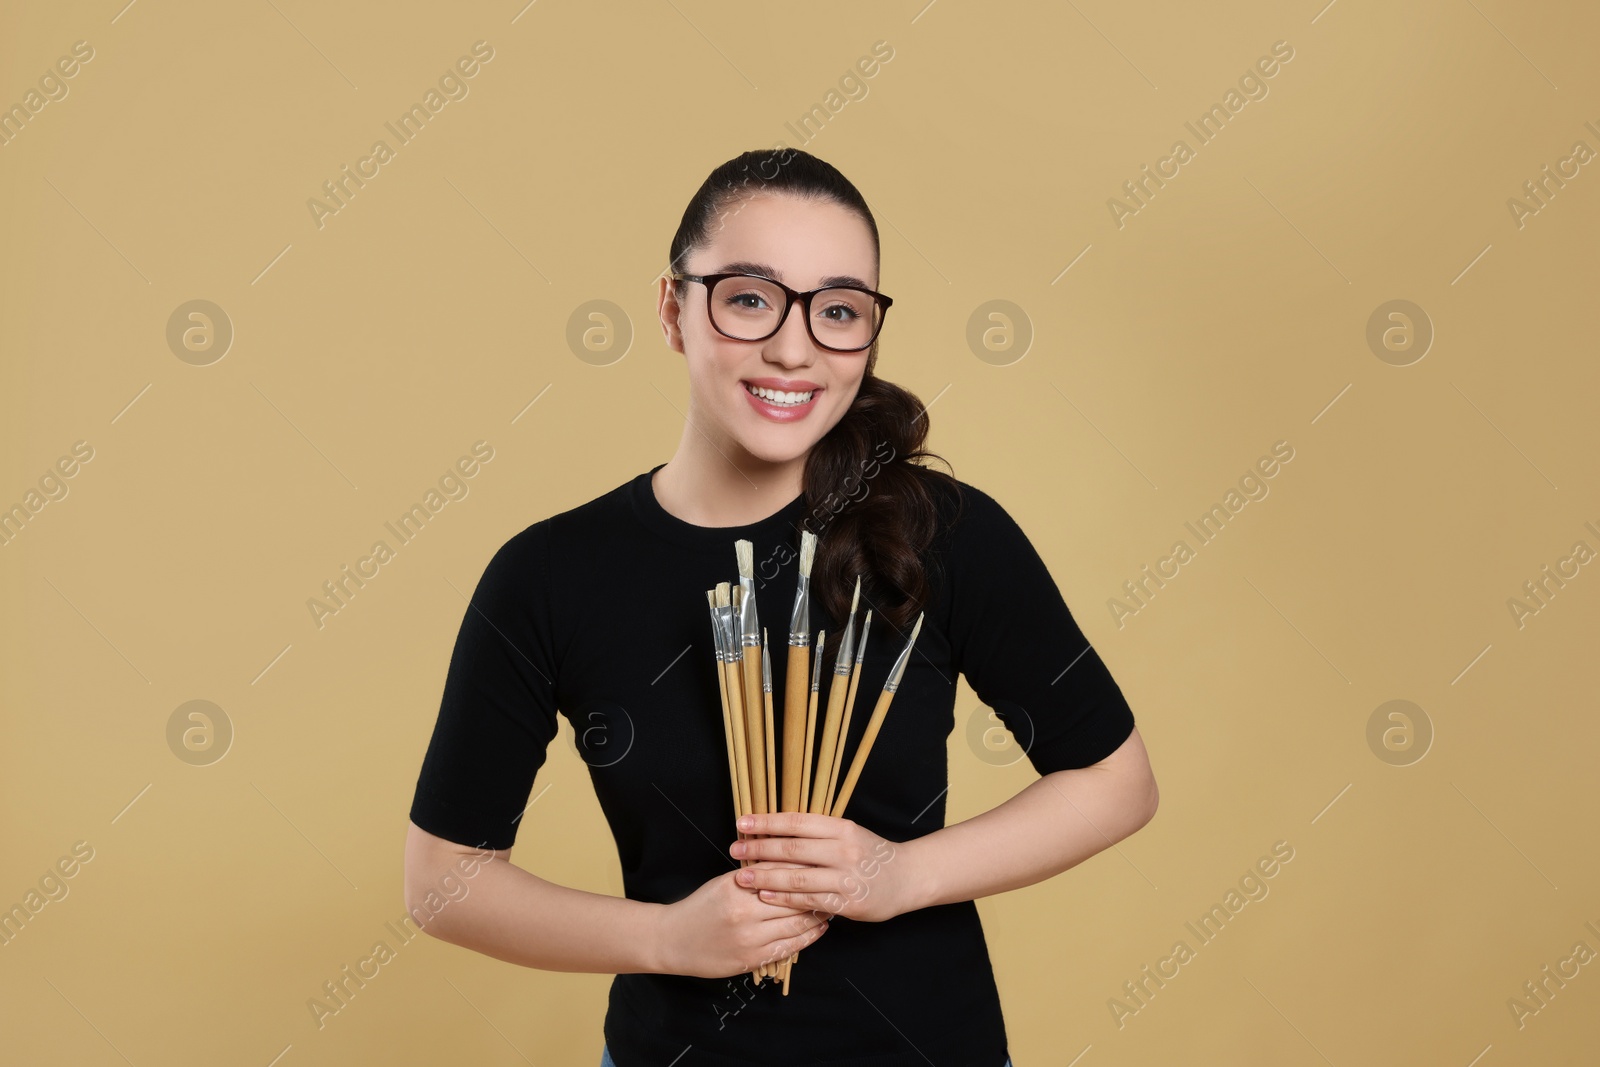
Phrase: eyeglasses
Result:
[748,307]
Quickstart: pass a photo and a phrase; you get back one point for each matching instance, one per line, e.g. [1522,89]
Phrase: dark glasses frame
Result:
[789,297]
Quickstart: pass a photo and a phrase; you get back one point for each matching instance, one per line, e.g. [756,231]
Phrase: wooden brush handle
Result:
[830,738]
[876,723]
[755,721]
[811,736]
[796,695]
[740,747]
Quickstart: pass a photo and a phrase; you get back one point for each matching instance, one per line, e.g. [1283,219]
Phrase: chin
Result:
[768,450]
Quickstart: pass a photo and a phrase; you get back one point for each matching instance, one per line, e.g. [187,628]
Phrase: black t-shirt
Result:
[599,613]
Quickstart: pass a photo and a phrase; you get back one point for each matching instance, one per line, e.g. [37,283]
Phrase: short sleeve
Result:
[497,715]
[1014,639]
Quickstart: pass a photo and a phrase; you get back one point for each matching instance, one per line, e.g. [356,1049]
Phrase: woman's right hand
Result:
[723,929]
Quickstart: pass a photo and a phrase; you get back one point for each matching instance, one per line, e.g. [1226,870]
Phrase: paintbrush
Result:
[733,715]
[722,689]
[876,722]
[811,722]
[795,680]
[849,708]
[750,659]
[766,701]
[836,693]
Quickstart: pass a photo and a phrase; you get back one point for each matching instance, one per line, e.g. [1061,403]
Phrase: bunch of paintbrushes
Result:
[744,675]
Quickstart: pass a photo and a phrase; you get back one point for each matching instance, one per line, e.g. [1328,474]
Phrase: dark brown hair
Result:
[869,498]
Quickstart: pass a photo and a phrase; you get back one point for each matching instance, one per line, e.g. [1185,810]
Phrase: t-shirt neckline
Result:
[660,521]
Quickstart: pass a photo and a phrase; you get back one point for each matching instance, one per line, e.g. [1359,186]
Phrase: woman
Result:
[599,614]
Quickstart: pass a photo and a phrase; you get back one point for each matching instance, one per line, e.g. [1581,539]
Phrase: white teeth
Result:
[776,397]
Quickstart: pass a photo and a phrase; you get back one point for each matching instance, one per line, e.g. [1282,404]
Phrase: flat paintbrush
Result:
[876,722]
[750,662]
[732,686]
[794,695]
[727,715]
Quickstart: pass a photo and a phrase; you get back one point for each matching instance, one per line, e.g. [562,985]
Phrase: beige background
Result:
[1229,313]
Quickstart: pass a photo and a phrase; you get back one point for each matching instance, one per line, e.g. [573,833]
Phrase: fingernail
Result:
[746,822]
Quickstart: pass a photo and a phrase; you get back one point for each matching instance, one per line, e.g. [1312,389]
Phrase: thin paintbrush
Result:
[876,722]
[811,722]
[849,709]
[775,968]
[836,694]
[766,701]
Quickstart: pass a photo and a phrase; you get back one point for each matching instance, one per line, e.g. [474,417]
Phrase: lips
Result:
[774,408]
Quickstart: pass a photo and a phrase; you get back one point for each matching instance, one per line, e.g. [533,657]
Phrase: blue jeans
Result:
[607,1061]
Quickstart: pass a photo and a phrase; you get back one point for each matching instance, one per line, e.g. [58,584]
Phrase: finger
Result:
[798,879]
[822,903]
[793,824]
[791,849]
[795,924]
[783,948]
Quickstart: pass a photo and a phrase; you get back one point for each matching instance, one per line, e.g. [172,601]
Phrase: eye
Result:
[759,300]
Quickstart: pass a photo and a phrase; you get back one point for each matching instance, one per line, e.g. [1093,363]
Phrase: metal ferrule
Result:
[898,669]
[766,670]
[816,670]
[716,631]
[725,633]
[847,648]
[800,617]
[749,624]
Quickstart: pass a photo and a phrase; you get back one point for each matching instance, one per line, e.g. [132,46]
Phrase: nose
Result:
[791,346]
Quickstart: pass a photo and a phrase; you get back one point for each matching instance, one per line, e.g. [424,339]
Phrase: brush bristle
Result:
[711,599]
[856,596]
[722,595]
[745,550]
[915,629]
[808,552]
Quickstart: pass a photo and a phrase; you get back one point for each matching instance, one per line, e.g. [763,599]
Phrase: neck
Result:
[707,487]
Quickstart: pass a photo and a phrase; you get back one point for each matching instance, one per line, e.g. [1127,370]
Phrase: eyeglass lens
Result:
[747,308]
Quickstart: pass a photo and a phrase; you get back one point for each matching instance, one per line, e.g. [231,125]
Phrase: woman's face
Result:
[798,242]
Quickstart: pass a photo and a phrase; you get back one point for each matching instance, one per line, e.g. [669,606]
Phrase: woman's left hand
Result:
[845,869]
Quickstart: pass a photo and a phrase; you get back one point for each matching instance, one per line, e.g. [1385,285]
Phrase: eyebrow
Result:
[766,270]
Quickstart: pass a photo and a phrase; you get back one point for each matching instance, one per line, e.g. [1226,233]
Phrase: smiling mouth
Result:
[778,397]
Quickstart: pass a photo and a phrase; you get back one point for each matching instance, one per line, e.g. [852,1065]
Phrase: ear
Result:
[668,310]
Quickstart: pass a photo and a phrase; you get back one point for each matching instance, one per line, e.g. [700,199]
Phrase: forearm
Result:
[516,916]
[1051,826]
